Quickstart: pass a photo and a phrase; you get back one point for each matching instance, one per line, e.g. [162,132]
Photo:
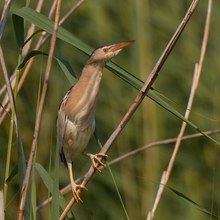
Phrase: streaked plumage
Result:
[76,115]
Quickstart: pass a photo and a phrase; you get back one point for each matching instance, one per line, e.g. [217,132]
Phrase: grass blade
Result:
[113,179]
[191,202]
[44,23]
[48,182]
[64,64]
[18,23]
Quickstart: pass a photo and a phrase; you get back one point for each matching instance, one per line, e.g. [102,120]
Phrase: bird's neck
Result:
[87,89]
[90,80]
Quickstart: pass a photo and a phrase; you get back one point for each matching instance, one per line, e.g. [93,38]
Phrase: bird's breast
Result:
[76,138]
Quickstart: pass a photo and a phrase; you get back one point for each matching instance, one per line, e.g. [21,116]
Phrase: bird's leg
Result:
[96,160]
[75,187]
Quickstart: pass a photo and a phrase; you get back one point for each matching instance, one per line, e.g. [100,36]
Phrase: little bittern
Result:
[76,115]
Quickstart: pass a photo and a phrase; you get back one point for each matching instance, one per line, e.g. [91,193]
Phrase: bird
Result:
[76,114]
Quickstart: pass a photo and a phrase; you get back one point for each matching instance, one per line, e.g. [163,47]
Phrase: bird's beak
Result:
[120,46]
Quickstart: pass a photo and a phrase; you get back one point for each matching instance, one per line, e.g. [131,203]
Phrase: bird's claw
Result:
[76,192]
[96,161]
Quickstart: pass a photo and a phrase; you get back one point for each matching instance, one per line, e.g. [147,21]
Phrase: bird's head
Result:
[103,54]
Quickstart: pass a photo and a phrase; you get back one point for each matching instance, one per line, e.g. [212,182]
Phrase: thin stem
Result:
[160,143]
[11,129]
[198,67]
[2,213]
[118,192]
[71,11]
[39,115]
[31,30]
[113,179]
[5,13]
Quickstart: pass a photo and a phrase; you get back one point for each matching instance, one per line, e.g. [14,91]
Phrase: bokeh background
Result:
[151,24]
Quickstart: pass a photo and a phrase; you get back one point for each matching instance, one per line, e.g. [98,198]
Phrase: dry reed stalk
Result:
[39,114]
[198,67]
[4,17]
[2,213]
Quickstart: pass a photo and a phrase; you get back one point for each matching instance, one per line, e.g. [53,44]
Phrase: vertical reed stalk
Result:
[11,129]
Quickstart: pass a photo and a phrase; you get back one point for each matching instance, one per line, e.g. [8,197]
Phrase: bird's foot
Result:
[97,160]
[77,190]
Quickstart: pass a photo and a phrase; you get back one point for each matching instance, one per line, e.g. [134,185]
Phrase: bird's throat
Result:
[90,82]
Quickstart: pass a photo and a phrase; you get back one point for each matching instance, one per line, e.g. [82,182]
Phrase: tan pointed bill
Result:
[120,46]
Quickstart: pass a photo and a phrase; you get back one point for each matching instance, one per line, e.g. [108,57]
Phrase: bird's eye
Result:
[105,50]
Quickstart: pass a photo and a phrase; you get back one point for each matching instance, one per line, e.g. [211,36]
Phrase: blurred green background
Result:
[151,24]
